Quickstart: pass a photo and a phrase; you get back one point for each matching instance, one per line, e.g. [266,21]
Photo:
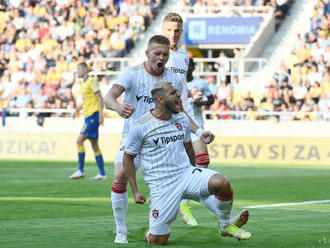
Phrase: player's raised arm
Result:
[125,110]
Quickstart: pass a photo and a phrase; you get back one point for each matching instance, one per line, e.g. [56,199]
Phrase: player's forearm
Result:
[193,126]
[129,169]
[111,103]
[101,104]
[110,99]
[190,152]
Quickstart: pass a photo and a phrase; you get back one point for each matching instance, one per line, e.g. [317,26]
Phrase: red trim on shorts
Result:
[227,197]
[202,159]
[118,187]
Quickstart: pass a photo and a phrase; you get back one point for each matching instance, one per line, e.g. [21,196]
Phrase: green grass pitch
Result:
[41,207]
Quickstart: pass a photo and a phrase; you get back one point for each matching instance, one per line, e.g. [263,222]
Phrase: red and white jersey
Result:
[138,82]
[178,63]
[159,144]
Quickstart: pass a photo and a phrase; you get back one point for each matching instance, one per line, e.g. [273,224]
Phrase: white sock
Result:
[119,209]
[225,210]
[186,201]
[219,208]
[211,204]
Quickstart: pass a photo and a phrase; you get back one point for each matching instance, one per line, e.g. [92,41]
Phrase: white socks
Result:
[119,208]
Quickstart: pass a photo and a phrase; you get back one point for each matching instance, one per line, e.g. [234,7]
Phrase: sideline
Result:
[287,204]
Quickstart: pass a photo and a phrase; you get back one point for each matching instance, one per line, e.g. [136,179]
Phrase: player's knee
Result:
[218,184]
[119,187]
[120,175]
[159,239]
[202,160]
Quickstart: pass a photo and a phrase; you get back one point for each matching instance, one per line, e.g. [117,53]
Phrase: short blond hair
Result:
[159,87]
[173,17]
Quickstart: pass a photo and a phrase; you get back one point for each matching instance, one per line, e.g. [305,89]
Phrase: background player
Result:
[137,83]
[162,141]
[93,111]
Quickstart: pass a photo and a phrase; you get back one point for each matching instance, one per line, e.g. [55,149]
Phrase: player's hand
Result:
[139,198]
[126,110]
[196,95]
[207,137]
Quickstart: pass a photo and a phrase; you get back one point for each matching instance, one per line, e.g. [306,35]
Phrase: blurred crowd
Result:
[41,43]
[300,85]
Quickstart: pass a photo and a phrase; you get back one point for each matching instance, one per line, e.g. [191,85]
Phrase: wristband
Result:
[199,132]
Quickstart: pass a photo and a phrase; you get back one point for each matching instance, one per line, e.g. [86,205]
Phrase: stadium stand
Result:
[42,41]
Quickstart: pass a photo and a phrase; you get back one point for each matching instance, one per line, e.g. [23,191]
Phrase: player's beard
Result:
[172,108]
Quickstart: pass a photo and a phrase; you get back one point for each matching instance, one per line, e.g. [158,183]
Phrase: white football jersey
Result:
[178,63]
[202,86]
[138,82]
[159,144]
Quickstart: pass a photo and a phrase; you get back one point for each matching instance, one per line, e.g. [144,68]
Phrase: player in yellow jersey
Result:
[93,111]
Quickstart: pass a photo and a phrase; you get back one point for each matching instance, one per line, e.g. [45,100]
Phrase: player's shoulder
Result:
[137,67]
[183,52]
[91,80]
[134,69]
[144,119]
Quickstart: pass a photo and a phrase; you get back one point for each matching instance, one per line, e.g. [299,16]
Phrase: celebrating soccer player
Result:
[137,84]
[161,139]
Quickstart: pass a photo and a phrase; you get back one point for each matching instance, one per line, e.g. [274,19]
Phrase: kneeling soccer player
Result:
[161,137]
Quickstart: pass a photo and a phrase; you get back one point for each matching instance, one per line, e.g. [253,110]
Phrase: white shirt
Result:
[138,82]
[178,63]
[159,144]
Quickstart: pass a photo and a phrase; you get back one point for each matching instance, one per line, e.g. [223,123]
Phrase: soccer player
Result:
[93,111]
[137,83]
[161,137]
[172,28]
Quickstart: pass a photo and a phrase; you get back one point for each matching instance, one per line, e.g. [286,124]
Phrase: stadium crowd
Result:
[301,84]
[41,42]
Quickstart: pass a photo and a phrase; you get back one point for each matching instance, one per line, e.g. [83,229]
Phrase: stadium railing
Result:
[238,67]
[218,114]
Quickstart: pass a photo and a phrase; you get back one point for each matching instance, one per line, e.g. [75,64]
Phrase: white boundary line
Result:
[288,204]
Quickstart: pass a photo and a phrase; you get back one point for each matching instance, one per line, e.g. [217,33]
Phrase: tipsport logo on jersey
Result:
[178,71]
[169,139]
[145,99]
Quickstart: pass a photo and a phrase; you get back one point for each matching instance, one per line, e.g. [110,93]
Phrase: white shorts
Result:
[120,155]
[164,207]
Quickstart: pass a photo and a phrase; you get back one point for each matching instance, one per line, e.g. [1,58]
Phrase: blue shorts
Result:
[91,126]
